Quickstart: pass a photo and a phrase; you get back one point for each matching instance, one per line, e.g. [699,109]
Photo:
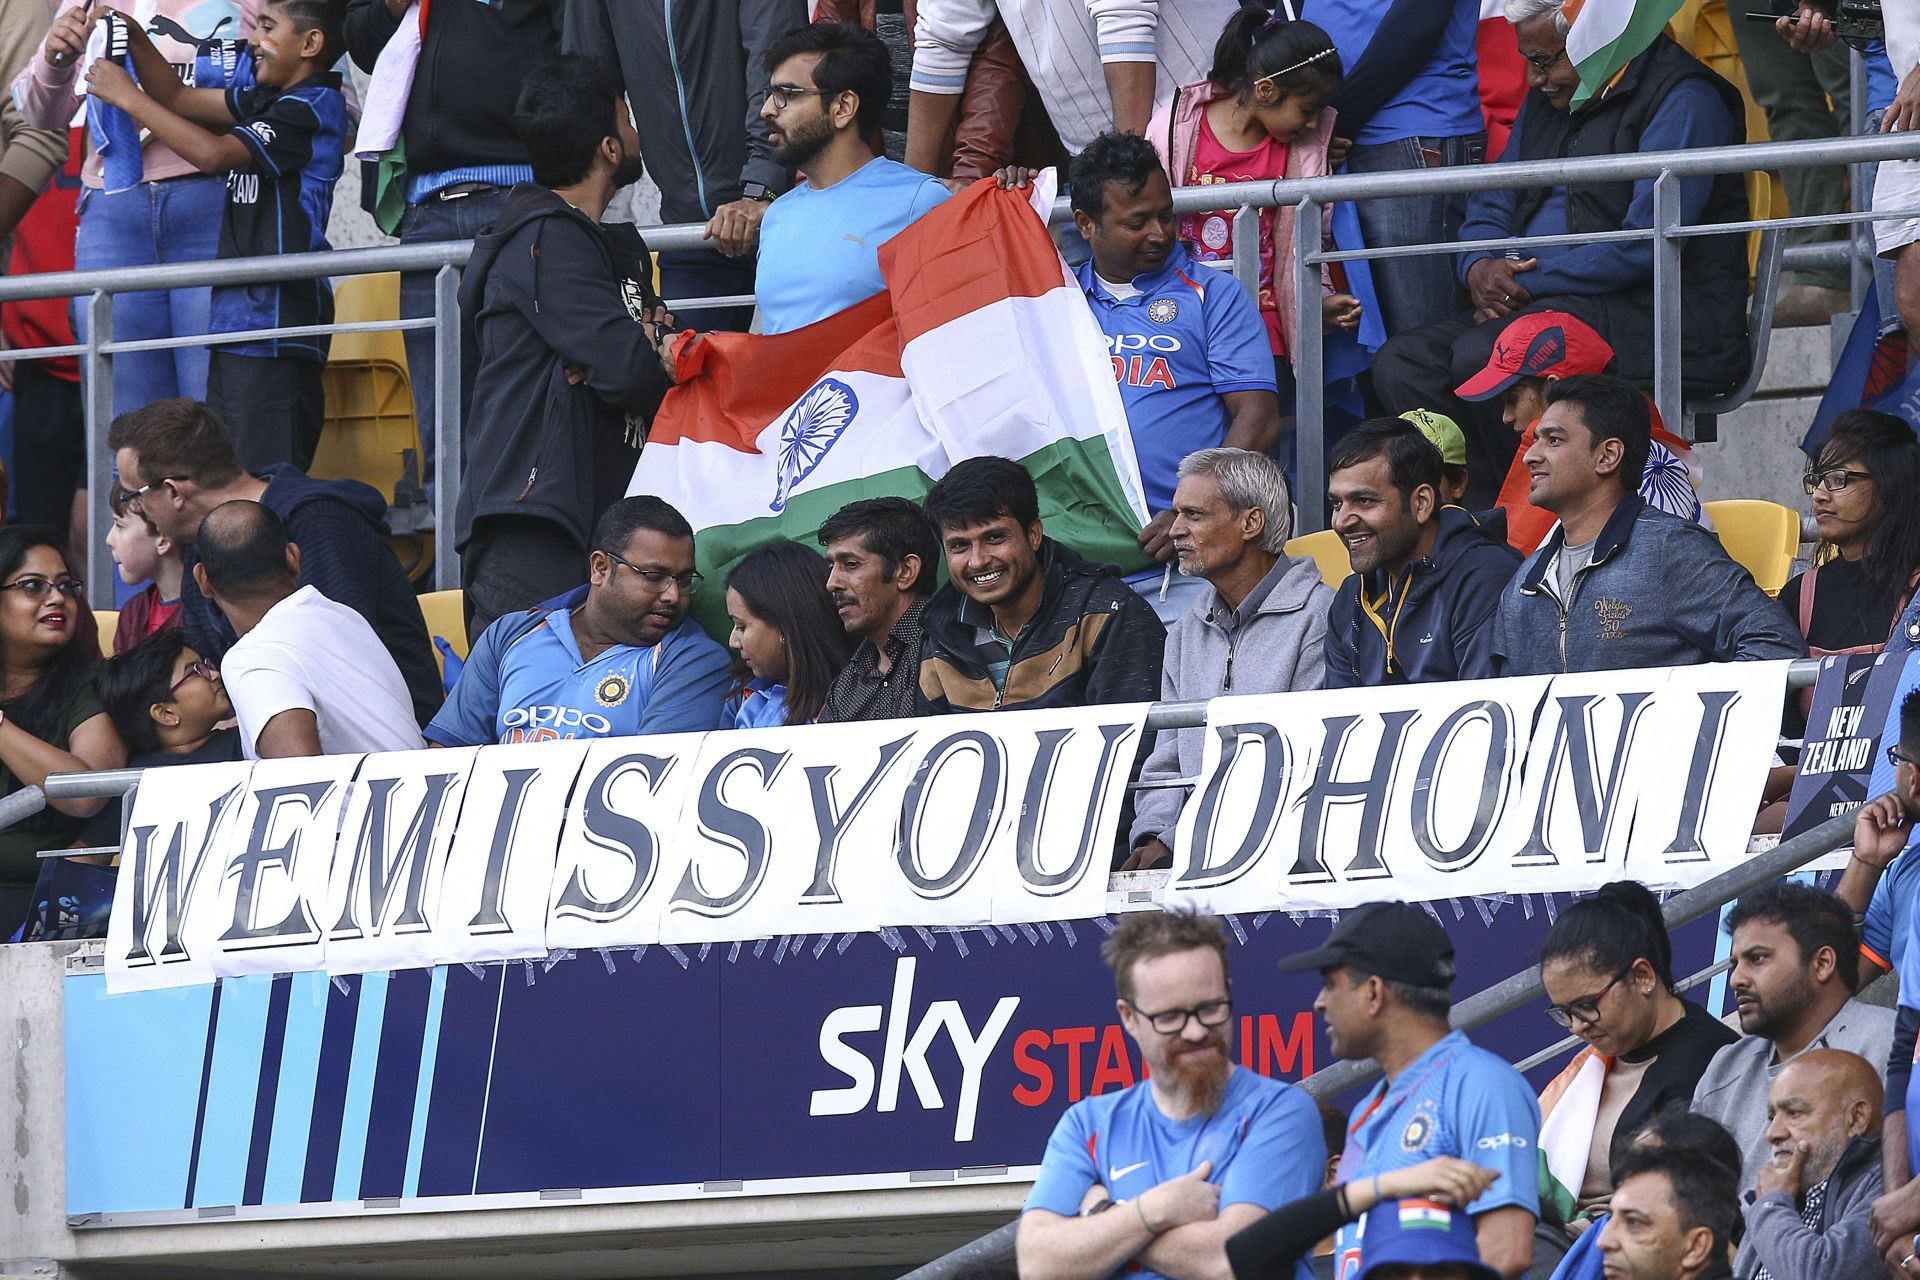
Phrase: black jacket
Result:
[339,526]
[1091,641]
[696,74]
[547,288]
[1713,336]
[1443,631]
[472,61]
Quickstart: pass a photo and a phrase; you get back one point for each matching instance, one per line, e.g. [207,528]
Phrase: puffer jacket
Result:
[1659,592]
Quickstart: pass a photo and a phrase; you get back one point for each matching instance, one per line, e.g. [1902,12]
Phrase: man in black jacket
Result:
[1426,579]
[566,332]
[697,75]
[1025,622]
[459,150]
[1663,100]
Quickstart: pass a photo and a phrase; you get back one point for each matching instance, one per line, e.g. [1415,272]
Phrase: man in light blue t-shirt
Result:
[615,658]
[1410,99]
[820,242]
[1154,1179]
[1387,971]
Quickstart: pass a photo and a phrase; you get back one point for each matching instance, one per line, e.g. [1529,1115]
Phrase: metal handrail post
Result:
[446,424]
[98,415]
[1246,249]
[1309,380]
[1860,235]
[1667,215]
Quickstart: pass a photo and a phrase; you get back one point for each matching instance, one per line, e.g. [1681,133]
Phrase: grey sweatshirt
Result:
[1275,649]
[1839,1244]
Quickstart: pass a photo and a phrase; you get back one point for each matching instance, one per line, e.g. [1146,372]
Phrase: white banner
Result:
[1321,799]
[1528,785]
[359,864]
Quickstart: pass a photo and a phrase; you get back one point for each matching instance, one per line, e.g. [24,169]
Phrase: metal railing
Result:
[96,289]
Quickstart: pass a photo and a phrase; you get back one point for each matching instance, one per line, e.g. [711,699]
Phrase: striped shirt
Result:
[1064,43]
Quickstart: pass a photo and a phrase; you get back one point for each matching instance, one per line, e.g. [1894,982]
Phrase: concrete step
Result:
[1758,452]
[1800,360]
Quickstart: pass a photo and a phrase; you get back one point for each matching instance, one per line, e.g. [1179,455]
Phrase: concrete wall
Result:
[1758,452]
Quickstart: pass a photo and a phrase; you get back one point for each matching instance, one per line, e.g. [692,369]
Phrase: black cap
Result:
[1393,940]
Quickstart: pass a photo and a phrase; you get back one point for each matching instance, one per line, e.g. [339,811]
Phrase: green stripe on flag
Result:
[1081,505]
[1644,22]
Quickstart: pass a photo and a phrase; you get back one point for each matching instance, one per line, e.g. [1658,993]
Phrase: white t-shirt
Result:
[311,652]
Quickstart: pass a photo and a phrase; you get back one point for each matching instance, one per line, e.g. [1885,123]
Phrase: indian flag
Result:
[1608,34]
[1569,1105]
[1427,1215]
[981,344]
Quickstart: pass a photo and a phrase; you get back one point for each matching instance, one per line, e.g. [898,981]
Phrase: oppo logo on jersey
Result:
[544,724]
[1142,369]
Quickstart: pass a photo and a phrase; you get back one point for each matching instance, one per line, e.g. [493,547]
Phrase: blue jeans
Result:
[433,222]
[1421,290]
[177,220]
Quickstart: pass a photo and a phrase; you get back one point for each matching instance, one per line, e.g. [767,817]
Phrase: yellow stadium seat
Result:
[361,300]
[446,615]
[1763,537]
[1328,553]
[108,620]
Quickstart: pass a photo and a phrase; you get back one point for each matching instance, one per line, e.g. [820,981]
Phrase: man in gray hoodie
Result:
[1807,1214]
[1259,630]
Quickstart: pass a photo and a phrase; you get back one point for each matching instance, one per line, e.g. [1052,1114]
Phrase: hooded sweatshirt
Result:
[1437,626]
[339,526]
[1276,648]
[548,287]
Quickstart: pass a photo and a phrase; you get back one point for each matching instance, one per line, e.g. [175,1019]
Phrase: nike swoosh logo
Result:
[1114,1175]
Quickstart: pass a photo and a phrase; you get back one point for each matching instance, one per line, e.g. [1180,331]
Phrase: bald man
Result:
[1807,1213]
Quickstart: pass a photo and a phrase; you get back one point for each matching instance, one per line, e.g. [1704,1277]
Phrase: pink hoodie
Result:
[49,96]
[1174,130]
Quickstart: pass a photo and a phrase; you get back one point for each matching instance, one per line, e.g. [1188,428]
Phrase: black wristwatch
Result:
[756,191]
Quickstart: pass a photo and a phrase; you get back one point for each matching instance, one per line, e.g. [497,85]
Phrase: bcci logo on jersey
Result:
[812,427]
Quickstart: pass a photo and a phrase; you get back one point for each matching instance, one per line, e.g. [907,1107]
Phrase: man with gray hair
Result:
[1259,630]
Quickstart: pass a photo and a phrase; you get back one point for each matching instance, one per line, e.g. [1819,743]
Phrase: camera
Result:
[1858,22]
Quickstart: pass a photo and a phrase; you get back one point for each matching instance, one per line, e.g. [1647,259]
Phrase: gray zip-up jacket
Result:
[1659,592]
[1275,650]
[1840,1243]
[696,73]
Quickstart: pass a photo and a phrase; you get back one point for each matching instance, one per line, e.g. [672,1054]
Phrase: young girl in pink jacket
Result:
[1260,115]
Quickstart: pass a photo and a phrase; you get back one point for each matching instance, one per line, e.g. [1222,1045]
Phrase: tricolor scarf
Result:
[1569,1107]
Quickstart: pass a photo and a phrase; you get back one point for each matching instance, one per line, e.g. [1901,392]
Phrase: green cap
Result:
[1444,434]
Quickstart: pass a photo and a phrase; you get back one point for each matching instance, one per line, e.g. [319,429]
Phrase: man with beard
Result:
[1426,578]
[1386,977]
[1808,1211]
[1154,1178]
[614,658]
[1796,959]
[884,560]
[564,330]
[820,242]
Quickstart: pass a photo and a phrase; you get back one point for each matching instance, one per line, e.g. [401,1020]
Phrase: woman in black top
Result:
[1607,964]
[1863,484]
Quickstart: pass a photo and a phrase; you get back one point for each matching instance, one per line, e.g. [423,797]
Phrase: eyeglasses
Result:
[657,579]
[198,669]
[135,500]
[782,95]
[37,588]
[1545,61]
[1896,758]
[1585,1011]
[1834,478]
[1171,1022]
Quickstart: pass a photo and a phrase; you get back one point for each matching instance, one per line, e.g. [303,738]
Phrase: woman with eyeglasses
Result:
[51,716]
[1863,485]
[787,635]
[1608,968]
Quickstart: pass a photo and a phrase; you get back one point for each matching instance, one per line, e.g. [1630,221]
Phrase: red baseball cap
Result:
[1535,346]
